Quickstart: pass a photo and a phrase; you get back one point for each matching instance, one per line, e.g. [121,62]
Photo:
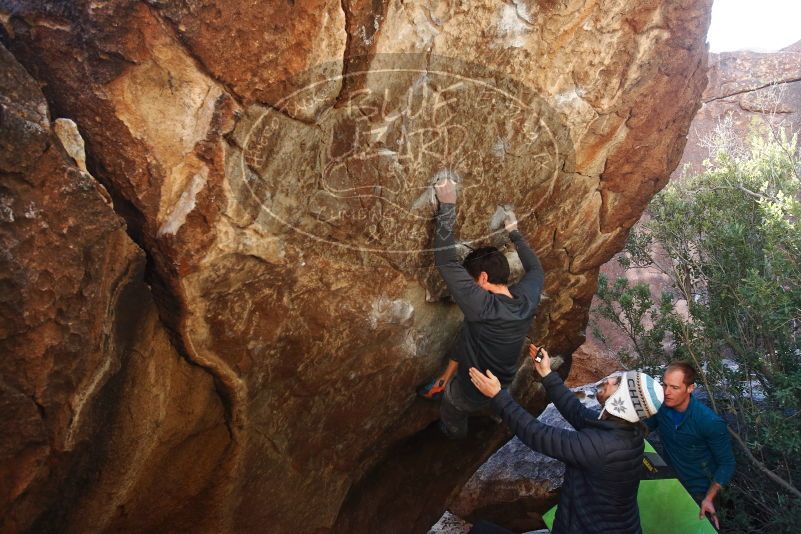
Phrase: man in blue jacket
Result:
[696,440]
[603,455]
[497,316]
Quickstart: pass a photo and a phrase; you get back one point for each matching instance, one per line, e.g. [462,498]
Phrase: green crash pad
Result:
[665,506]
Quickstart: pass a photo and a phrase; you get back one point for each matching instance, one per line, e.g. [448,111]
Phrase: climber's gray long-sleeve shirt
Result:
[495,326]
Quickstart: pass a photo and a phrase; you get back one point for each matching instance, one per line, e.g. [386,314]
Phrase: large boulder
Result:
[272,163]
[102,420]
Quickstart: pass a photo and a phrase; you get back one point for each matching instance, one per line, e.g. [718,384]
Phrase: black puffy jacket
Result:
[603,460]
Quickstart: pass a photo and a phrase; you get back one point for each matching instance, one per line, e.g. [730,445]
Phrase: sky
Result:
[758,25]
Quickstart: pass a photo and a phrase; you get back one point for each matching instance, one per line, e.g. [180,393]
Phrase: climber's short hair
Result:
[489,260]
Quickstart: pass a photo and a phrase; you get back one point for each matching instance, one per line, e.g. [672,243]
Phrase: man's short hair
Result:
[687,370]
[488,260]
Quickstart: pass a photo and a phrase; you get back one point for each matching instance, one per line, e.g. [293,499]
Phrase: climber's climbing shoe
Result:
[433,391]
[452,433]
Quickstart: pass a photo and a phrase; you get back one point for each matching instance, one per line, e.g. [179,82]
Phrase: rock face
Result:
[272,162]
[590,364]
[99,414]
[746,90]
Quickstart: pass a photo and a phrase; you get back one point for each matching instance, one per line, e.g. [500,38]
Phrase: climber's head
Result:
[632,396]
[487,265]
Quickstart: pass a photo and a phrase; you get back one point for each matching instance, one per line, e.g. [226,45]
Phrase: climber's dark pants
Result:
[456,408]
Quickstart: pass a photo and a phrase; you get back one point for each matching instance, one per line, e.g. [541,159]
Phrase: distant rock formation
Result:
[245,357]
[746,90]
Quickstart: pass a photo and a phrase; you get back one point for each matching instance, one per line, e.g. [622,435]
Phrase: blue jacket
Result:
[699,449]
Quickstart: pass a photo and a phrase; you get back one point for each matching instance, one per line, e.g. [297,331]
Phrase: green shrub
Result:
[729,243]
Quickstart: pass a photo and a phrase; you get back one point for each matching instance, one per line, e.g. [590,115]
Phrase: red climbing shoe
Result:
[434,390]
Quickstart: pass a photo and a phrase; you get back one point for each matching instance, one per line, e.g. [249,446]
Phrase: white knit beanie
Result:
[638,397]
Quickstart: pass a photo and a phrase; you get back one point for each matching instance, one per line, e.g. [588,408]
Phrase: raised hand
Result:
[543,367]
[510,221]
[445,188]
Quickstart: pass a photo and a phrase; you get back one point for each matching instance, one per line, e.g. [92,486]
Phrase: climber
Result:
[603,455]
[497,316]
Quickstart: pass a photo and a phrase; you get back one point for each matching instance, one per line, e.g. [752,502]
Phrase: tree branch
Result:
[762,467]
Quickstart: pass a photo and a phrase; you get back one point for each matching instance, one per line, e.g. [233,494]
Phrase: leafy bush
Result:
[729,243]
